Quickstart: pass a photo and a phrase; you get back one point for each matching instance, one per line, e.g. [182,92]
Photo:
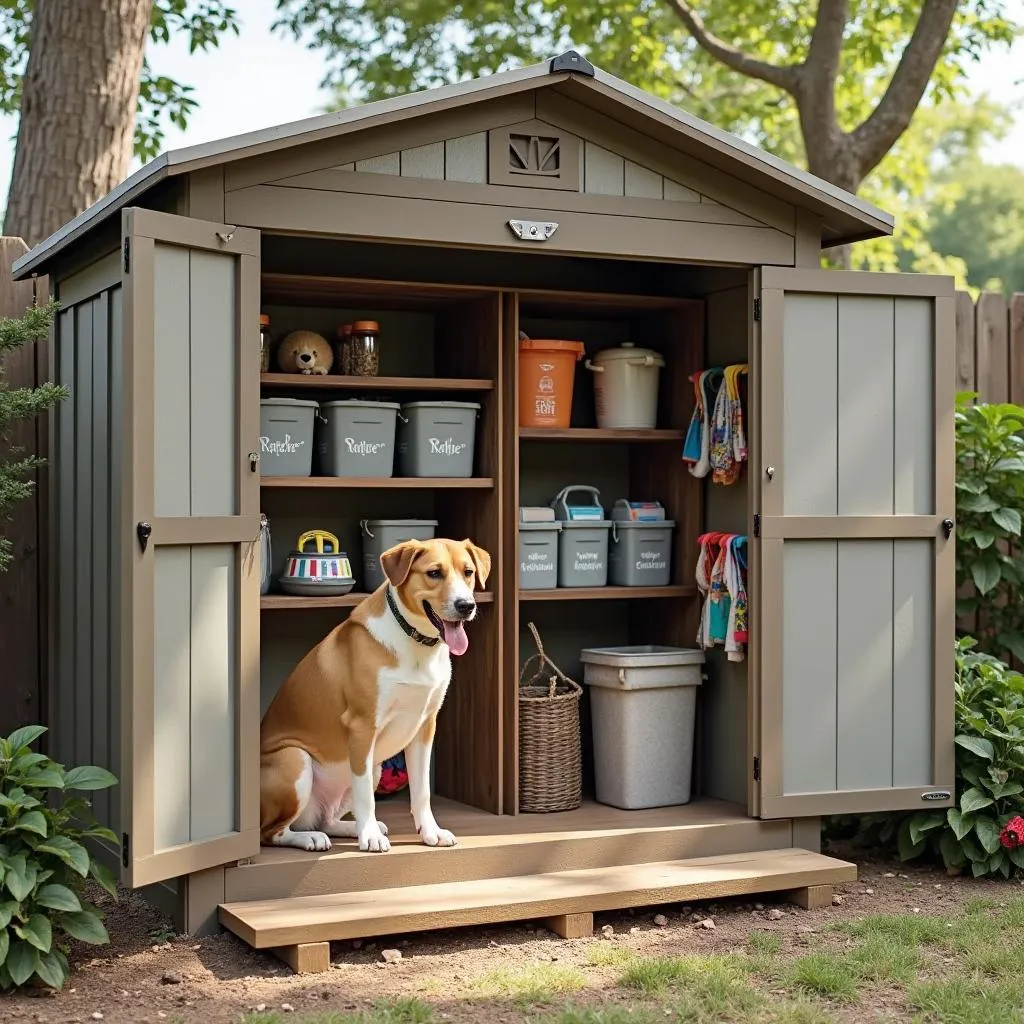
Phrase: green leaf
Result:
[34,821]
[961,824]
[979,867]
[73,854]
[985,575]
[89,777]
[86,927]
[982,541]
[952,855]
[977,745]
[1008,519]
[924,822]
[974,800]
[58,897]
[987,832]
[5,944]
[45,778]
[1005,789]
[20,878]
[25,736]
[1016,855]
[7,911]
[908,849]
[21,962]
[36,932]
[51,970]
[104,876]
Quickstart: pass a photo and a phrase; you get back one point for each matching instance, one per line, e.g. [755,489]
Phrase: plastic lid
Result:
[582,524]
[264,320]
[359,403]
[399,522]
[295,403]
[627,350]
[548,524]
[641,656]
[649,524]
[441,405]
[344,330]
[540,345]
[365,325]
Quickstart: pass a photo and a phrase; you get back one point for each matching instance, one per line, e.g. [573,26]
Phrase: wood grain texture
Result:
[306,957]
[300,382]
[571,926]
[381,482]
[292,602]
[812,897]
[609,593]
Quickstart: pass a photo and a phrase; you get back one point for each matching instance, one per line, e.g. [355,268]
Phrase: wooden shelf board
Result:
[298,381]
[607,593]
[597,434]
[391,483]
[290,602]
[352,293]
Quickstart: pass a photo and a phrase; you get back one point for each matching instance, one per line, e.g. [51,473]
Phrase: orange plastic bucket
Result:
[547,370]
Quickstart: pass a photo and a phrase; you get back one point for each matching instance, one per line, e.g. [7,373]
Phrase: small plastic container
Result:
[286,436]
[364,349]
[643,703]
[583,538]
[640,552]
[626,386]
[437,439]
[356,438]
[381,534]
[538,554]
[547,375]
[343,351]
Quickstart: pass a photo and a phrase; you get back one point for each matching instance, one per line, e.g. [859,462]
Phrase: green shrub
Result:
[989,499]
[43,861]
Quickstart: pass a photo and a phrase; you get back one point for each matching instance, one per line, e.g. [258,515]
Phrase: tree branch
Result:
[827,42]
[890,119]
[784,77]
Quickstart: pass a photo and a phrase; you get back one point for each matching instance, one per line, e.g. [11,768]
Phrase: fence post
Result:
[965,342]
[1017,348]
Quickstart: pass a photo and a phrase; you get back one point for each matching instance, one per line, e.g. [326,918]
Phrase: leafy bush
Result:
[43,861]
[989,499]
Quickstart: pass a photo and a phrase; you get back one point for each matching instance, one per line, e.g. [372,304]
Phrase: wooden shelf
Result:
[390,483]
[333,382]
[290,602]
[597,434]
[607,593]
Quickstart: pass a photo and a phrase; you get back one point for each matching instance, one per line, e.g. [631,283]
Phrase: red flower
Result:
[1012,834]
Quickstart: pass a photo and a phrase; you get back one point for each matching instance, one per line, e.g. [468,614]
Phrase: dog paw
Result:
[373,840]
[348,829]
[438,837]
[314,842]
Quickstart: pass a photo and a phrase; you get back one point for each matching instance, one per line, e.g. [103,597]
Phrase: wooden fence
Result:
[990,361]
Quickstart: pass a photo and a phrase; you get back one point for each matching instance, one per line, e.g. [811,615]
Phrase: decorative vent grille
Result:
[534,154]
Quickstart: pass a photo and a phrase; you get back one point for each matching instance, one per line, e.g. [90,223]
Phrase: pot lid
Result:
[627,350]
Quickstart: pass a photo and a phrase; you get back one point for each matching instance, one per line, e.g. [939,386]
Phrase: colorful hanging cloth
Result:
[705,390]
[735,579]
[728,441]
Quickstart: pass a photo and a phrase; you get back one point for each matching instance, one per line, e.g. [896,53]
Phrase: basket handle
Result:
[542,656]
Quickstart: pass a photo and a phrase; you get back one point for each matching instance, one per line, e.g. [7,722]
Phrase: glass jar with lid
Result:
[364,349]
[342,350]
[264,343]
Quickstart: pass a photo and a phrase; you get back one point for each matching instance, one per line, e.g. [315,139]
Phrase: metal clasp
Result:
[533,230]
[143,531]
[947,528]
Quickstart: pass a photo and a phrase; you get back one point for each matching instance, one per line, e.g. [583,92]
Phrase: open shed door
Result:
[190,517]
[856,582]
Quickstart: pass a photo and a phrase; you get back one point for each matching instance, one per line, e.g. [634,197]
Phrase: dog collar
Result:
[407,627]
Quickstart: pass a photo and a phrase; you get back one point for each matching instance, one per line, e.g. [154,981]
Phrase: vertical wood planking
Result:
[172,431]
[465,159]
[643,183]
[1016,342]
[82,672]
[604,172]
[117,541]
[213,459]
[424,162]
[866,400]
[387,163]
[214,675]
[913,671]
[864,682]
[810,587]
[172,646]
[914,429]
[810,474]
[992,347]
[965,354]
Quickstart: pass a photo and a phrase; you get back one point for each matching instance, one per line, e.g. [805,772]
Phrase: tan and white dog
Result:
[371,688]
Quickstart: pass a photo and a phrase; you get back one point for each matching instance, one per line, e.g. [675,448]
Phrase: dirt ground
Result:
[147,975]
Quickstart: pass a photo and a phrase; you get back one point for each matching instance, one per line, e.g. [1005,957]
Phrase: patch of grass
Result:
[764,943]
[911,930]
[885,958]
[966,1000]
[534,985]
[825,974]
[604,1015]
[401,1011]
[606,954]
[801,1011]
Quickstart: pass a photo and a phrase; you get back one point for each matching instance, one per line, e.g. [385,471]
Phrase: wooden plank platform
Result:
[266,924]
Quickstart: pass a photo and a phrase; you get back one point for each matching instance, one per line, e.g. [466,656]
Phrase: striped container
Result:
[317,567]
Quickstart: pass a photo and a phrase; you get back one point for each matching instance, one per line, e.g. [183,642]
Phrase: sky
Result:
[259,79]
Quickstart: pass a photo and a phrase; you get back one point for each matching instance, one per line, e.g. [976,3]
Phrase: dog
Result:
[371,688]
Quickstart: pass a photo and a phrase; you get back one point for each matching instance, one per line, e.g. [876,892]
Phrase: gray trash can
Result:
[286,436]
[381,534]
[643,703]
[640,554]
[356,438]
[437,438]
[538,555]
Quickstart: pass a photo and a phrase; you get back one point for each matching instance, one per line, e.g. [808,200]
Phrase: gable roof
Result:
[845,217]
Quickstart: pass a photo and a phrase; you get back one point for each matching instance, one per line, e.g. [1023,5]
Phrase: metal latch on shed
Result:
[533,230]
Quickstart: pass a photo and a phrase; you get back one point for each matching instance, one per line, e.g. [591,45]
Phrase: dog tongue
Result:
[455,637]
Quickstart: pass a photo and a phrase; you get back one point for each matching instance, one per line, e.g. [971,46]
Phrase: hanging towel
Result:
[692,446]
[735,566]
[718,599]
[705,561]
[728,440]
[708,381]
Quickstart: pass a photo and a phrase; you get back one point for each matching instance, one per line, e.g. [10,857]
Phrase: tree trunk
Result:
[78,105]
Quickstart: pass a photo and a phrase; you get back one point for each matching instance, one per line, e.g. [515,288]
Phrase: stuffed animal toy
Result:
[304,352]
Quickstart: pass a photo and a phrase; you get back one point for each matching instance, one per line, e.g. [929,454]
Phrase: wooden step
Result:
[304,920]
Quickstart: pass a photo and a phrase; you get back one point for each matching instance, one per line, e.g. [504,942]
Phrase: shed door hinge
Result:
[125,849]
[757,307]
[757,524]
[127,254]
[757,768]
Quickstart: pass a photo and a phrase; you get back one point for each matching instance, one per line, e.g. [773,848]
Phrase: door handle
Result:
[947,528]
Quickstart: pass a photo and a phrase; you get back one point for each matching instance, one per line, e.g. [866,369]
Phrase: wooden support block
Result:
[306,957]
[571,926]
[811,897]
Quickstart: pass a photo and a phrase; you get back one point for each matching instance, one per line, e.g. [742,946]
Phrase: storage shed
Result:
[559,202]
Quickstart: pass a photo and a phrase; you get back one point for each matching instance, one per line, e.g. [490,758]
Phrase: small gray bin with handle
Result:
[538,555]
[356,438]
[380,534]
[437,438]
[640,554]
[582,540]
[643,703]
[286,436]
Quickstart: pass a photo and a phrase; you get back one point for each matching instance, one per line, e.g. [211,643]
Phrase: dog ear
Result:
[397,561]
[481,560]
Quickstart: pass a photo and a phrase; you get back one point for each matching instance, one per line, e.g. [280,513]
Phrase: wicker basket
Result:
[550,761]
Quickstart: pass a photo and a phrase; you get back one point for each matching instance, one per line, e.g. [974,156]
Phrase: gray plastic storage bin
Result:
[437,438]
[381,534]
[583,554]
[538,555]
[643,703]
[356,438]
[640,554]
[286,436]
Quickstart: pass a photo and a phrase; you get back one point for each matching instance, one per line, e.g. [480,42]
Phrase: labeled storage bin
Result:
[381,534]
[626,386]
[547,374]
[538,549]
[437,438]
[583,538]
[640,552]
[643,703]
[286,436]
[356,438]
